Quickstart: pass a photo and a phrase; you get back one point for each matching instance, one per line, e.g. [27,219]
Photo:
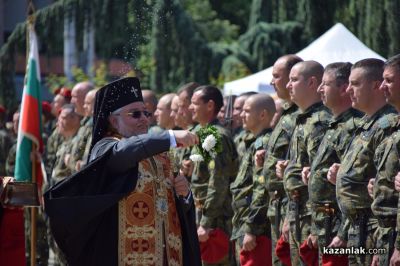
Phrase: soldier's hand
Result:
[249,242]
[305,174]
[332,172]
[395,259]
[370,187]
[187,167]
[285,230]
[181,185]
[203,233]
[397,182]
[312,241]
[280,168]
[259,158]
[337,243]
[375,260]
[185,138]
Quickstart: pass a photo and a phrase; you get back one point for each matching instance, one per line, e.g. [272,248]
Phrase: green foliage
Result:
[53,82]
[211,27]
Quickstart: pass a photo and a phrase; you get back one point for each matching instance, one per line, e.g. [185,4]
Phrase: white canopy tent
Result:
[336,45]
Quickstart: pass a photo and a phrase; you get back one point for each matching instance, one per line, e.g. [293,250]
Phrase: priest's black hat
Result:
[109,98]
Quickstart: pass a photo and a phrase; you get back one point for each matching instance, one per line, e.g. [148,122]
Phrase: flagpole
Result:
[33,231]
[33,211]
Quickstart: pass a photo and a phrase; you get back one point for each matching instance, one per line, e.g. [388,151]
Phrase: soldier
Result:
[150,102]
[327,222]
[10,163]
[68,125]
[75,157]
[311,123]
[249,196]
[385,197]
[210,182]
[276,148]
[358,167]
[240,135]
[163,112]
[55,139]
[185,121]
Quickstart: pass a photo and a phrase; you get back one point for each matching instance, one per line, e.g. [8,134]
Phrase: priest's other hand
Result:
[181,185]
[249,242]
[203,233]
[185,138]
[187,167]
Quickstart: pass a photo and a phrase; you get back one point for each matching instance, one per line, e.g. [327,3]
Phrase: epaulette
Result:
[389,120]
[258,143]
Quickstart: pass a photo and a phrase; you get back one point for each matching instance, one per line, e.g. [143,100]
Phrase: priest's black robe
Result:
[83,209]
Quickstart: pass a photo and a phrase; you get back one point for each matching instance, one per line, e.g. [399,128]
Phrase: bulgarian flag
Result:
[30,122]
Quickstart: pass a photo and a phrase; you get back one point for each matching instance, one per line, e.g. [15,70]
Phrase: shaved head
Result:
[261,102]
[311,69]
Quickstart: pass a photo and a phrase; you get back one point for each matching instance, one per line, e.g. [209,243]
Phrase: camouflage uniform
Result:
[180,154]
[210,187]
[352,179]
[307,136]
[249,196]
[276,149]
[327,219]
[79,142]
[60,171]
[386,198]
[52,146]
[6,141]
[240,142]
[10,162]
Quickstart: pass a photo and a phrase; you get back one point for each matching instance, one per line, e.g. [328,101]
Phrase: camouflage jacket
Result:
[307,136]
[240,141]
[249,196]
[210,183]
[386,198]
[277,147]
[332,149]
[61,170]
[358,167]
[79,143]
[11,158]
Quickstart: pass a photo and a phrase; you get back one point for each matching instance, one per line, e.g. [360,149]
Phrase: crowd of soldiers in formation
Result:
[317,164]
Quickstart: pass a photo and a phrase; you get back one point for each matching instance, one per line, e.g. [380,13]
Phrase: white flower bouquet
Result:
[210,144]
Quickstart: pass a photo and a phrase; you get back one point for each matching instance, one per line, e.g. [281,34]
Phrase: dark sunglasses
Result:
[136,114]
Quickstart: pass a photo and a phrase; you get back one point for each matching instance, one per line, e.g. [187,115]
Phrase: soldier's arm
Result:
[255,222]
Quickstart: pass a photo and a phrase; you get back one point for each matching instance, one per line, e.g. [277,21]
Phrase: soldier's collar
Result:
[369,121]
[311,109]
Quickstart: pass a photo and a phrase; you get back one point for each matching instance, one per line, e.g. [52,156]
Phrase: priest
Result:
[125,207]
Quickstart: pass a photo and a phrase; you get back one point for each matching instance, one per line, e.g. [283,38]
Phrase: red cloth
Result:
[65,92]
[282,251]
[2,109]
[216,247]
[260,255]
[333,260]
[12,238]
[309,255]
